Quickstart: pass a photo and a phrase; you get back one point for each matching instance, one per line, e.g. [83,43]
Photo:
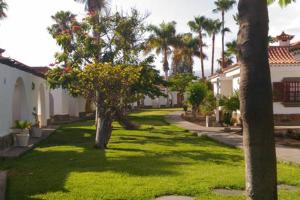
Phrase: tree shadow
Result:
[70,151]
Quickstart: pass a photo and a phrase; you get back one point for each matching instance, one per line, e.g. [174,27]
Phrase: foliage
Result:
[224,5]
[22,124]
[3,8]
[186,49]
[227,118]
[231,103]
[179,82]
[94,5]
[282,3]
[198,26]
[102,62]
[209,104]
[161,39]
[197,92]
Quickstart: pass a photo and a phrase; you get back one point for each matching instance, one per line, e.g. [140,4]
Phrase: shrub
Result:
[197,91]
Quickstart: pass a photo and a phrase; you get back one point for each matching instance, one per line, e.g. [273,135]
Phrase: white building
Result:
[284,62]
[23,90]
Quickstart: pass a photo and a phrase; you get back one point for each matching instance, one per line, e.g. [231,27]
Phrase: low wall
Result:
[287,120]
[6,141]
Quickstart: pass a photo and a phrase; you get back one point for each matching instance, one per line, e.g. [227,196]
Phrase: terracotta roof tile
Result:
[20,66]
[281,55]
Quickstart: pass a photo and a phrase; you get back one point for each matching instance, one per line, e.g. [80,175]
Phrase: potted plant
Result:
[227,121]
[21,131]
[36,131]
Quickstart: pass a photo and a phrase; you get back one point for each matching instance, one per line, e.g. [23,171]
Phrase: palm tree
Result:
[3,8]
[186,48]
[223,6]
[162,38]
[94,5]
[198,26]
[213,27]
[63,22]
[258,131]
[231,49]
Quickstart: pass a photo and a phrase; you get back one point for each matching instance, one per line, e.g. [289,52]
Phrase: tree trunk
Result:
[257,117]
[213,53]
[124,121]
[104,130]
[223,38]
[201,54]
[194,111]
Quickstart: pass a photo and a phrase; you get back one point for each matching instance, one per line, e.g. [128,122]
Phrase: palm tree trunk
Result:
[223,38]
[201,54]
[257,117]
[213,53]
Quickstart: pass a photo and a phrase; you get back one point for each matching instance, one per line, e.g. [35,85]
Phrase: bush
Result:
[209,104]
[227,118]
[197,91]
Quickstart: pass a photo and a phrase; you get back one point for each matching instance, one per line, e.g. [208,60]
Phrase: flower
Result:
[67,69]
[76,28]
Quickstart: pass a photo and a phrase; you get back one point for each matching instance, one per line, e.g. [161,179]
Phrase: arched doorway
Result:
[41,111]
[19,106]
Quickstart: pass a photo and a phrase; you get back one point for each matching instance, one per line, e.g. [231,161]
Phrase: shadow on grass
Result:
[47,168]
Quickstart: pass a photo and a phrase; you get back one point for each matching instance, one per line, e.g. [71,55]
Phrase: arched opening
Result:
[41,111]
[19,106]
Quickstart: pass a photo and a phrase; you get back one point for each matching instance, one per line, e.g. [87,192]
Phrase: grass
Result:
[157,159]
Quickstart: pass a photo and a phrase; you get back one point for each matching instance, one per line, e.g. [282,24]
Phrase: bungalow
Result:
[284,60]
[24,90]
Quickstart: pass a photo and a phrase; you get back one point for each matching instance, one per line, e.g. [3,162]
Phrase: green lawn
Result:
[156,160]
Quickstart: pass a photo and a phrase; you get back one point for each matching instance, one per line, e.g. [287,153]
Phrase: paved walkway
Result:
[286,154]
[14,152]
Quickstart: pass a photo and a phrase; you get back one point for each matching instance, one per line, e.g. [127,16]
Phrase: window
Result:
[287,91]
[292,91]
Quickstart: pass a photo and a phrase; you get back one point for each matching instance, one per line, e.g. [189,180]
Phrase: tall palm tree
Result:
[258,131]
[185,50]
[223,6]
[213,27]
[198,26]
[94,5]
[63,22]
[3,8]
[162,38]
[231,49]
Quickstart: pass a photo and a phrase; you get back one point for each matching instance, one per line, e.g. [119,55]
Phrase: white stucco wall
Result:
[64,104]
[278,73]
[160,101]
[8,80]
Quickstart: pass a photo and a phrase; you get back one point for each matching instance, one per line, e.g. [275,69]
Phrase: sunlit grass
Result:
[155,160]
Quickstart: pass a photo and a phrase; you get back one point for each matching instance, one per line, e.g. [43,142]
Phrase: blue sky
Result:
[24,36]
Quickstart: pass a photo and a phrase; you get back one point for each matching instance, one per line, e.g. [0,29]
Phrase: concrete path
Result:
[284,153]
[14,152]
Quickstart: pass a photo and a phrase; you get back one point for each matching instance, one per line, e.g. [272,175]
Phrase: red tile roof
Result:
[42,70]
[284,37]
[20,66]
[282,55]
